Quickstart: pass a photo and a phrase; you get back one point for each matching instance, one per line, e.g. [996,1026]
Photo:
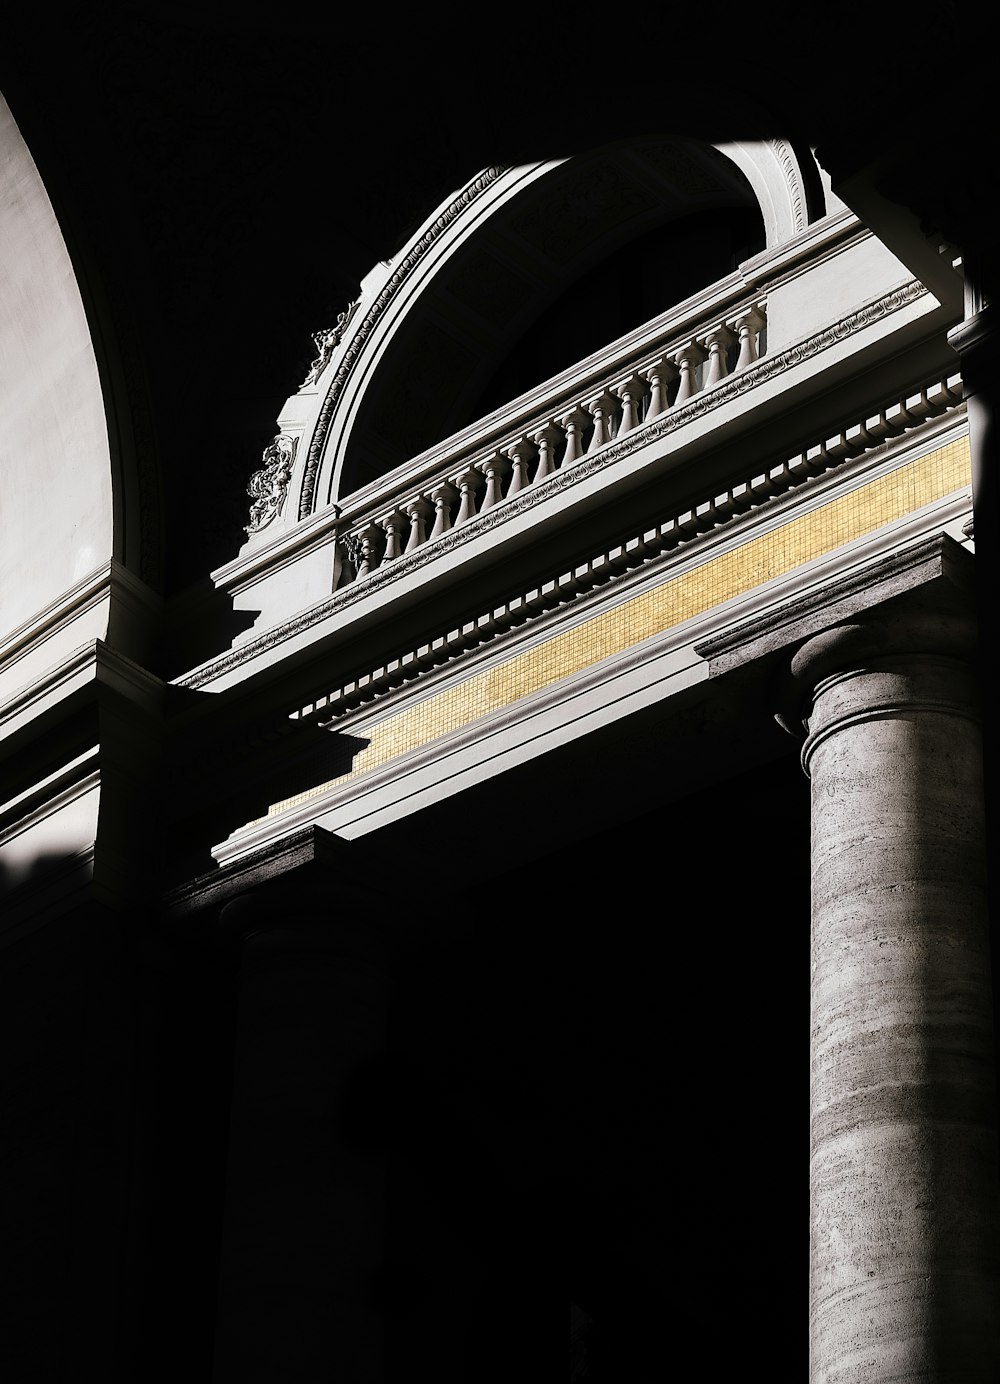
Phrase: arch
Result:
[773,171]
[482,266]
[70,495]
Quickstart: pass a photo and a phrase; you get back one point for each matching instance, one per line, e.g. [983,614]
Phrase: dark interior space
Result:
[632,285]
[594,1085]
[548,1111]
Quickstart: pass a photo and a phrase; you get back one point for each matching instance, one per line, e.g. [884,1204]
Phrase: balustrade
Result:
[577,429]
[631,553]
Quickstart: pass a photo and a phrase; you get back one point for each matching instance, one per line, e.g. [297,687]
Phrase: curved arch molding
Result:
[769,167]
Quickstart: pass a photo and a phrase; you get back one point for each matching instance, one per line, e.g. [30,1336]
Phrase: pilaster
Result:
[302,1238]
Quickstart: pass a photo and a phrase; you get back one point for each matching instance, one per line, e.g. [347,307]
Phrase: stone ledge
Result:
[934,563]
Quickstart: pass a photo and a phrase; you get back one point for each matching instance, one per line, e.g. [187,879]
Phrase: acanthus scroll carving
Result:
[326,340]
[269,486]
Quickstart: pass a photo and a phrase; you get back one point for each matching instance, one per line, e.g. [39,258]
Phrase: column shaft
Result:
[903,1168]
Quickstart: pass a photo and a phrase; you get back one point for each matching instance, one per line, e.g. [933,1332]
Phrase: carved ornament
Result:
[269,485]
[326,340]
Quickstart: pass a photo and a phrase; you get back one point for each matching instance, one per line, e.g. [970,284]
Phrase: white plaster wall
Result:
[830,290]
[55,464]
[65,828]
[279,594]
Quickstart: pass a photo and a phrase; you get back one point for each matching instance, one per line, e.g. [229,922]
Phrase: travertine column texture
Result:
[303,1232]
[903,1172]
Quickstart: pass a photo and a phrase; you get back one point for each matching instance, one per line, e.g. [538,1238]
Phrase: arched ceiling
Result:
[225,175]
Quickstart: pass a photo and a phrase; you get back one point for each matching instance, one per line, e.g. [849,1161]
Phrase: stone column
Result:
[903,1172]
[302,1239]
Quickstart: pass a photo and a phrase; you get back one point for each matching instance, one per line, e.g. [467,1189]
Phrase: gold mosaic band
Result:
[849,516]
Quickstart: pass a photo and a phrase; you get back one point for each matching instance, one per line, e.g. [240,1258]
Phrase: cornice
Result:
[87,593]
[273,861]
[937,559]
[88,666]
[974,334]
[70,782]
[816,244]
[110,581]
[710,400]
[674,653]
[305,859]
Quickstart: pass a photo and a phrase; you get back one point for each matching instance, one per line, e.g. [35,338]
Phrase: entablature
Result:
[623,631]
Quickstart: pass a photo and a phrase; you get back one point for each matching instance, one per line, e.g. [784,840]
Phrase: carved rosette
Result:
[269,485]
[326,340]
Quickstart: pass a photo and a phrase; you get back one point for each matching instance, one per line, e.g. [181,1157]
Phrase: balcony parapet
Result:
[296,583]
[521,447]
[647,549]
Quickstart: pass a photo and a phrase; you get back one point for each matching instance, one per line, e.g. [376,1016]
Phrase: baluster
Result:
[659,376]
[519,454]
[353,559]
[747,325]
[601,409]
[717,343]
[687,360]
[418,510]
[573,424]
[444,496]
[494,468]
[631,393]
[468,483]
[545,440]
[394,524]
[365,550]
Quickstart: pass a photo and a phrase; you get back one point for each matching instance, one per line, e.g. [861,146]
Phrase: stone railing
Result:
[525,449]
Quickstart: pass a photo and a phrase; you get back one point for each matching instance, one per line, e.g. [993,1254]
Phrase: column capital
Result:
[919,599]
[903,657]
[901,627]
[975,341]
